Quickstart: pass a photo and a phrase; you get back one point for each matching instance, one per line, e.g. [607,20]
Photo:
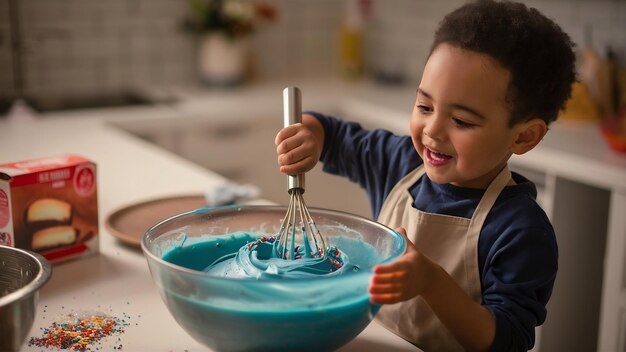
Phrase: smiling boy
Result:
[482,256]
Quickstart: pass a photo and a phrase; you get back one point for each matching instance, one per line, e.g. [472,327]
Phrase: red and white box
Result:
[50,206]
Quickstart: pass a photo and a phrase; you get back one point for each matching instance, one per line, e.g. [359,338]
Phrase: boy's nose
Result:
[434,127]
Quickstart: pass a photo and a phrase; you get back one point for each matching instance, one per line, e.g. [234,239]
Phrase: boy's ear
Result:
[528,135]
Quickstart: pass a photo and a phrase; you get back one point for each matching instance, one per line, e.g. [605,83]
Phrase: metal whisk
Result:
[299,237]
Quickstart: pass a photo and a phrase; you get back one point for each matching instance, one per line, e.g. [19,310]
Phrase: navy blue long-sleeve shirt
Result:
[517,250]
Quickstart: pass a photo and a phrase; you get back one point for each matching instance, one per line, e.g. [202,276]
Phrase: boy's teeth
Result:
[438,156]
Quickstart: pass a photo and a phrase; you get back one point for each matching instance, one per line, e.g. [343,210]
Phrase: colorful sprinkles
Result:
[334,256]
[81,332]
[263,239]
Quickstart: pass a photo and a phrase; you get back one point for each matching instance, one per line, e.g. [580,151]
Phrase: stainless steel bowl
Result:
[22,274]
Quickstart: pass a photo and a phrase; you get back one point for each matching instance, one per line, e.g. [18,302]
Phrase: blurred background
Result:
[65,53]
[202,79]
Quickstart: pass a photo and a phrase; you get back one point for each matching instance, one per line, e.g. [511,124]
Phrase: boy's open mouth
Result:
[437,158]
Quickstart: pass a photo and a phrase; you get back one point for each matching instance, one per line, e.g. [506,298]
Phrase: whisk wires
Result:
[299,236]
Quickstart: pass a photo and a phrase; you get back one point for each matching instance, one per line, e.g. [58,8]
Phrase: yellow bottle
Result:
[351,40]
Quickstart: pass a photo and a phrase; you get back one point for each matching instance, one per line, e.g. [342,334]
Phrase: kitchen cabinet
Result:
[580,215]
[584,194]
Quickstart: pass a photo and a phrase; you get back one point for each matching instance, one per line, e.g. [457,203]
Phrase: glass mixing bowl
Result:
[246,314]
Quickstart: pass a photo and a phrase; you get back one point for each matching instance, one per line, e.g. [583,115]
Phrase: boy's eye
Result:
[462,124]
[424,108]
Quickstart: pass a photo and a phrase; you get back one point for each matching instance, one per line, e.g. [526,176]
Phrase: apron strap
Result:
[400,189]
[476,223]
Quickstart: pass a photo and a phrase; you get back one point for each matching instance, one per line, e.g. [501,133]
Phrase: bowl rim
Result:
[282,208]
[43,275]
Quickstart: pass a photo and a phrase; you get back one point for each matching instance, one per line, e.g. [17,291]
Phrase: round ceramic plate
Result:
[129,224]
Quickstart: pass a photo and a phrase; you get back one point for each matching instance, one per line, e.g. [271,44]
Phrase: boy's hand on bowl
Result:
[406,278]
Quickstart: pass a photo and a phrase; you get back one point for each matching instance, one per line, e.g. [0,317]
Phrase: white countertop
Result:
[117,280]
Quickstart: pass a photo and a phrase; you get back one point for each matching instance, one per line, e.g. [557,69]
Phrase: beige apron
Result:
[449,241]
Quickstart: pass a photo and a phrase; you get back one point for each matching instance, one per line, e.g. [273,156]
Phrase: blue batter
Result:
[248,294]
[241,255]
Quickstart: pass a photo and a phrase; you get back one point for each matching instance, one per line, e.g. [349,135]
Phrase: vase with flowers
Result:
[223,28]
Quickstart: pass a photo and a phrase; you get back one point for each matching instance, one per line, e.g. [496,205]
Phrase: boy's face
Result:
[460,120]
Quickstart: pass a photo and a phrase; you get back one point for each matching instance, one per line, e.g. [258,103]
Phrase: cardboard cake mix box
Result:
[50,206]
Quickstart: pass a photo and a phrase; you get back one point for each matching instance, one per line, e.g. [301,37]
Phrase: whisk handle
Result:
[292,106]
[292,114]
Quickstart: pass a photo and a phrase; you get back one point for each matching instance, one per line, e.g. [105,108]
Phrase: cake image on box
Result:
[50,206]
[48,220]
[53,236]
[48,211]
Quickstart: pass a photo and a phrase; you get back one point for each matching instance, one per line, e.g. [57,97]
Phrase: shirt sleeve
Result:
[517,283]
[376,160]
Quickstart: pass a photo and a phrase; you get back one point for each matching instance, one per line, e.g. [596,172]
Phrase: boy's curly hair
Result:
[532,47]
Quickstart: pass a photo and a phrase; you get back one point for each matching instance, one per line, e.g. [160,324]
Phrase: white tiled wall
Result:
[304,41]
[91,46]
[400,32]
[95,46]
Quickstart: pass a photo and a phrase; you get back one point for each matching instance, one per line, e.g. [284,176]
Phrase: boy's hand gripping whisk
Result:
[299,237]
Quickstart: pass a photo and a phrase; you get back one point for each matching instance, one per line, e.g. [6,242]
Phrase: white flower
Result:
[241,9]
